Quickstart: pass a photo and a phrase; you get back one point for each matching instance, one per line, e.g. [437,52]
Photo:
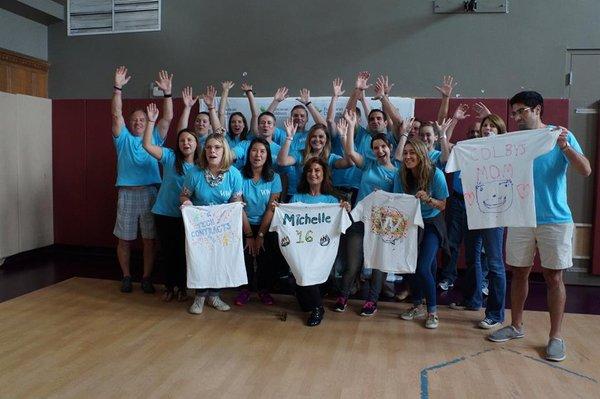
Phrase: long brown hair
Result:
[496,121]
[179,157]
[326,186]
[324,155]
[421,179]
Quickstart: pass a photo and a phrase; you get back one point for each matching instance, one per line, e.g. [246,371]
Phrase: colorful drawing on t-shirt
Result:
[494,196]
[208,227]
[285,241]
[388,223]
[325,240]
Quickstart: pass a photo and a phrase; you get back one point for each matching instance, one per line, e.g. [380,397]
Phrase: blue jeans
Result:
[423,282]
[456,220]
[492,240]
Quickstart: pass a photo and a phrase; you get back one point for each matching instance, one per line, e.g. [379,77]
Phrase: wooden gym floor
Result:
[82,338]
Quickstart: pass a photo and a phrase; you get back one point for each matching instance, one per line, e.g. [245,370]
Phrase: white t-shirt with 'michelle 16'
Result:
[309,235]
[497,176]
[391,230]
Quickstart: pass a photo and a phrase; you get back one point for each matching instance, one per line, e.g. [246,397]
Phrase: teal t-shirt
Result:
[241,152]
[167,201]
[257,194]
[375,177]
[135,167]
[550,183]
[314,199]
[201,193]
[439,191]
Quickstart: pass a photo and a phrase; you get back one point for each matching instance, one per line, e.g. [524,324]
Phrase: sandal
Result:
[168,295]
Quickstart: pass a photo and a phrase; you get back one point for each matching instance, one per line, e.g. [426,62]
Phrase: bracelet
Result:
[308,103]
[213,107]
[117,88]
[249,91]
[167,95]
[152,121]
[404,135]
[248,235]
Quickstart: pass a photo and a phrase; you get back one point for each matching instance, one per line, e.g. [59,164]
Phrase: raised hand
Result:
[337,87]
[461,112]
[290,128]
[152,112]
[407,126]
[209,96]
[188,99]
[562,139]
[304,96]
[362,79]
[165,81]
[227,85]
[342,127]
[443,128]
[481,110]
[379,90]
[281,94]
[245,87]
[121,77]
[447,86]
[350,116]
[385,83]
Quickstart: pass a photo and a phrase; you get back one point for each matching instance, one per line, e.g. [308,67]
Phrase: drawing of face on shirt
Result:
[494,196]
[388,223]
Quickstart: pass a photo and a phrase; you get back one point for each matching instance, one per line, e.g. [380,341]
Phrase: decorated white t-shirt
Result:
[391,230]
[213,246]
[497,176]
[309,235]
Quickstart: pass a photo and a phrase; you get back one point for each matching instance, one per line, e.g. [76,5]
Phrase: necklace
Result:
[213,181]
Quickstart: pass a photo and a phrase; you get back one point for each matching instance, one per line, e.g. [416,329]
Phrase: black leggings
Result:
[266,264]
[172,244]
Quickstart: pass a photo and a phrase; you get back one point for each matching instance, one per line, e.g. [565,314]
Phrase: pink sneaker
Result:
[266,298]
[242,298]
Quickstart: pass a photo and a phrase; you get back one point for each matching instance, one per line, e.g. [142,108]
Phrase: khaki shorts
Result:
[553,242]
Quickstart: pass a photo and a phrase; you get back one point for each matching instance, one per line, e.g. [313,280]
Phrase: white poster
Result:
[214,247]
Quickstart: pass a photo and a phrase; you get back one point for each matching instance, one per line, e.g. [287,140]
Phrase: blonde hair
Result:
[227,158]
[324,155]
[421,179]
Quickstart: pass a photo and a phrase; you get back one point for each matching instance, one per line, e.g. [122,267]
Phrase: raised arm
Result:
[460,113]
[365,106]
[346,127]
[314,112]
[283,158]
[402,134]
[116,106]
[445,89]
[209,99]
[481,110]
[247,88]
[188,102]
[165,83]
[337,93]
[442,131]
[382,91]
[154,150]
[360,85]
[280,95]
[226,86]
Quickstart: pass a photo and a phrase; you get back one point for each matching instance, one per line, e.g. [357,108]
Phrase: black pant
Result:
[266,265]
[309,297]
[172,244]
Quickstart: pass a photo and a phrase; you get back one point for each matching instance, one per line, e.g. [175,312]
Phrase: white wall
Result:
[26,207]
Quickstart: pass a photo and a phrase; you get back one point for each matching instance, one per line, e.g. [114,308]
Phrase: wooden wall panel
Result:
[20,74]
[35,172]
[9,180]
[68,167]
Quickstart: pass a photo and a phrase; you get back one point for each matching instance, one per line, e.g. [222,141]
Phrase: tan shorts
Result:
[553,241]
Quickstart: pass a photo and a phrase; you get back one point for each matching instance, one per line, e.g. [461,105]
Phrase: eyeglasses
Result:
[519,112]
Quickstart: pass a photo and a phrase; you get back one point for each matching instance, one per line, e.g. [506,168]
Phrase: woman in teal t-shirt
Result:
[167,215]
[261,187]
[213,182]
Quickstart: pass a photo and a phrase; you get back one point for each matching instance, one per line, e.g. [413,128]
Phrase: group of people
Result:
[337,161]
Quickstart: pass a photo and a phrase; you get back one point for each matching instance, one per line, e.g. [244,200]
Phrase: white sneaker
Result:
[487,324]
[217,303]
[432,321]
[198,305]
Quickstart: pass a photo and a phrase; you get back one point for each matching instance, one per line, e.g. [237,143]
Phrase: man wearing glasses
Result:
[554,230]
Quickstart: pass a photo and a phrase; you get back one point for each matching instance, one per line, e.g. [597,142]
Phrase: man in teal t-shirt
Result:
[554,231]
[137,176]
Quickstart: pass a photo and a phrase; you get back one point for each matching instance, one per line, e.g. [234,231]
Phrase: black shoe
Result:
[126,284]
[316,316]
[147,286]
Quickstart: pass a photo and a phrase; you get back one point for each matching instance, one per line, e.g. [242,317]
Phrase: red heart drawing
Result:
[470,197]
[523,189]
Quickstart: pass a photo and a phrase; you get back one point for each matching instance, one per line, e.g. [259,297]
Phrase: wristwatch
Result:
[566,146]
[261,234]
